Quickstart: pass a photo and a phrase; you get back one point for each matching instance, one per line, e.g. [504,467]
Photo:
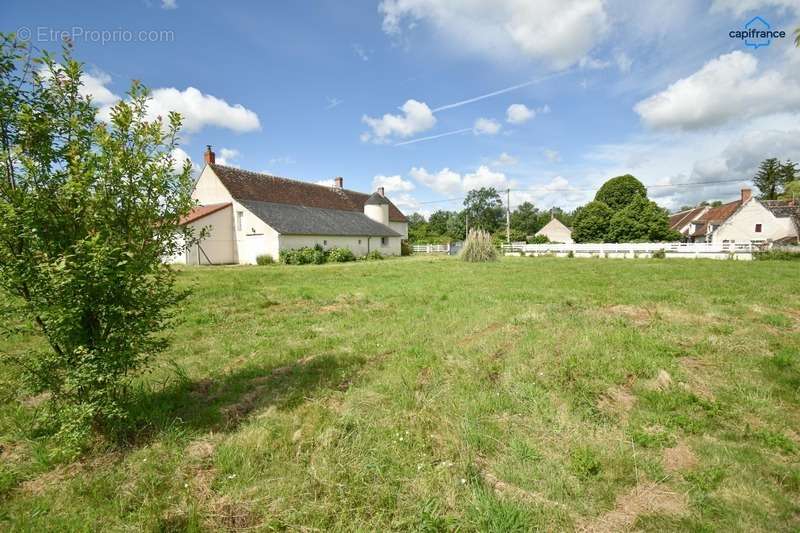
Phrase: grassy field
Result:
[428,394]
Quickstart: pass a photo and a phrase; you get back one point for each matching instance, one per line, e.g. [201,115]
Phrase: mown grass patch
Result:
[431,394]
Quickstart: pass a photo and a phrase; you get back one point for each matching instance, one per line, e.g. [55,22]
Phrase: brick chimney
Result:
[746,194]
[338,182]
[208,155]
[380,191]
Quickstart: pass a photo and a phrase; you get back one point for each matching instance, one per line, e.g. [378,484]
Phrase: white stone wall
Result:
[360,246]
[740,227]
[400,227]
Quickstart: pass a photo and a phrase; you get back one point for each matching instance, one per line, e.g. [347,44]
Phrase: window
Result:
[758,228]
[359,241]
[239,219]
[384,241]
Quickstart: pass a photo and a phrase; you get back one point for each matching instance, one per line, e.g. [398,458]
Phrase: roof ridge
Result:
[284,178]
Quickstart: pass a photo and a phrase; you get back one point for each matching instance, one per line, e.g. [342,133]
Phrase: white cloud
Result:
[519,113]
[94,85]
[405,202]
[593,63]
[226,157]
[392,183]
[445,181]
[556,192]
[505,159]
[557,32]
[740,7]
[730,87]
[552,155]
[169,4]
[417,117]
[179,156]
[484,177]
[486,126]
[332,102]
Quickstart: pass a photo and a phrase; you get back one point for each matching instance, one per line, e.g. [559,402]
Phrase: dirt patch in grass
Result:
[49,480]
[640,316]
[617,401]
[200,449]
[696,371]
[679,457]
[643,499]
[507,490]
[661,382]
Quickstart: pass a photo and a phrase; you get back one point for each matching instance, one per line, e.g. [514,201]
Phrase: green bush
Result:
[659,254]
[405,248]
[374,255]
[570,254]
[340,255]
[265,259]
[302,256]
[777,255]
[539,239]
[478,247]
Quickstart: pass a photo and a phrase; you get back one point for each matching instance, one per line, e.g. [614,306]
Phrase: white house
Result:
[248,214]
[556,231]
[744,220]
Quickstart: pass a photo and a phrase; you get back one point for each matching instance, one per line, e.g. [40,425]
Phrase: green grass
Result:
[431,394]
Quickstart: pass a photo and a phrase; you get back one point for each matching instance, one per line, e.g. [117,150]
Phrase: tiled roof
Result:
[720,214]
[202,211]
[699,230]
[682,218]
[302,220]
[253,186]
[781,208]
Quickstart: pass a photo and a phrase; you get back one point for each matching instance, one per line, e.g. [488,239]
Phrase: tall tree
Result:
[437,222]
[641,220]
[526,219]
[88,211]
[768,178]
[484,208]
[417,227]
[789,173]
[618,192]
[456,226]
[592,222]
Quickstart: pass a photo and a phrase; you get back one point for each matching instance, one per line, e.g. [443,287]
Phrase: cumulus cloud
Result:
[405,202]
[484,177]
[392,183]
[197,109]
[519,113]
[730,87]
[226,157]
[556,32]
[416,117]
[445,181]
[486,126]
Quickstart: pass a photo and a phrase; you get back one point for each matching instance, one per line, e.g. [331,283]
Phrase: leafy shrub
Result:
[539,239]
[374,255]
[265,259]
[777,255]
[659,254]
[478,247]
[301,256]
[340,255]
[405,248]
[570,254]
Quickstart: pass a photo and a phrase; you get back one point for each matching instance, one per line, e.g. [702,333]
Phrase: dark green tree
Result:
[769,178]
[437,222]
[456,226]
[484,208]
[618,192]
[88,212]
[789,173]
[592,222]
[641,220]
[417,228]
[526,219]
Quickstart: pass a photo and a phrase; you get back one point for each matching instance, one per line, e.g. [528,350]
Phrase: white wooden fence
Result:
[733,250]
[431,248]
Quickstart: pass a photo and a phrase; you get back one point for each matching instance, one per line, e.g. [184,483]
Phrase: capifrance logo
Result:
[757,32]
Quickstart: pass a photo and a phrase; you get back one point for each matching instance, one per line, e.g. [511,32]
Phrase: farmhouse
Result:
[556,231]
[744,220]
[248,214]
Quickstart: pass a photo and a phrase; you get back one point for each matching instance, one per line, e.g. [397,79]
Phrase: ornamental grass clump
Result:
[479,247]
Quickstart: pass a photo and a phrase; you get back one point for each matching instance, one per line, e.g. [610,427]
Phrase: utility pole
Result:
[508,216]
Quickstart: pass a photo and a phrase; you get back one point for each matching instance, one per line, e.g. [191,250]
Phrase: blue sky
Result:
[432,97]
